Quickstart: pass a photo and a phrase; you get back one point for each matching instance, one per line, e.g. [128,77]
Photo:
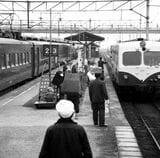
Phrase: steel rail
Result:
[150,132]
[148,128]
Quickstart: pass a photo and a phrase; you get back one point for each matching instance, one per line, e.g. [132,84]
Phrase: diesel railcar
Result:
[21,60]
[135,63]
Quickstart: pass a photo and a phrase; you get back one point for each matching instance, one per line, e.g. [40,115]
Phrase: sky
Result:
[120,16]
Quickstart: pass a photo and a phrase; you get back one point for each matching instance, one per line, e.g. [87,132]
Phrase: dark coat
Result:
[97,91]
[101,63]
[65,139]
[74,69]
[58,78]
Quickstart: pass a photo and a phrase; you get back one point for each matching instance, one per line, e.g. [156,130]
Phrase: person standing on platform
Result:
[98,94]
[65,138]
[85,66]
[64,68]
[74,68]
[101,64]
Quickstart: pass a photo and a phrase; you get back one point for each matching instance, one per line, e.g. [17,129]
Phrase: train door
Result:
[38,58]
[33,60]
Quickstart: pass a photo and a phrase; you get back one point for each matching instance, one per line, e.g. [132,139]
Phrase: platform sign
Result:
[46,49]
[80,60]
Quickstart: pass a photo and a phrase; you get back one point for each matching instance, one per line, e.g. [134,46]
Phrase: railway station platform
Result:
[22,126]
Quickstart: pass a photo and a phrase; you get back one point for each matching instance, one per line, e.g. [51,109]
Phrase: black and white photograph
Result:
[79,78]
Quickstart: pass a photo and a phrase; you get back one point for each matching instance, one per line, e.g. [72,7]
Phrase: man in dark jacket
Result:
[65,139]
[101,63]
[98,94]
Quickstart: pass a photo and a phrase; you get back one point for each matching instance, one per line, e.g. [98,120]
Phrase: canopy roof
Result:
[84,36]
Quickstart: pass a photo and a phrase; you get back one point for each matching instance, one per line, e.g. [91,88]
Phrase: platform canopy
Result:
[84,36]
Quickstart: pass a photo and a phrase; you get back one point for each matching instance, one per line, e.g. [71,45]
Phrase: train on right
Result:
[135,64]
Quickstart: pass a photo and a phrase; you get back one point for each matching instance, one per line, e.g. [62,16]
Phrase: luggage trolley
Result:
[48,93]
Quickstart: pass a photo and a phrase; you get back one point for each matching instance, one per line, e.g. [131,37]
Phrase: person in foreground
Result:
[98,94]
[65,138]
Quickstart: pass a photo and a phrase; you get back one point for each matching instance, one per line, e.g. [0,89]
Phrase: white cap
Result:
[65,108]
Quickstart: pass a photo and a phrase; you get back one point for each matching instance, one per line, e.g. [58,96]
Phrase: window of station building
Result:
[132,58]
[152,58]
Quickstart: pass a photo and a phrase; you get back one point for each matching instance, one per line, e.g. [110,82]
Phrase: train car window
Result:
[152,58]
[16,59]
[38,52]
[23,58]
[8,64]
[3,61]
[27,57]
[19,60]
[132,58]
[12,59]
[56,59]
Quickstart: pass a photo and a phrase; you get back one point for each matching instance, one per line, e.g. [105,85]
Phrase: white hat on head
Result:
[65,108]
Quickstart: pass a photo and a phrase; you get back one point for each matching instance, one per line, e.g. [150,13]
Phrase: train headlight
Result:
[125,76]
[158,76]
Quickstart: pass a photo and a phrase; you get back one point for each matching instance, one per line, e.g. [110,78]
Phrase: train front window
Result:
[132,58]
[152,58]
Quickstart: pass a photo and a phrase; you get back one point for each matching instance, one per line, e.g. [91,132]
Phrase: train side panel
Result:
[15,59]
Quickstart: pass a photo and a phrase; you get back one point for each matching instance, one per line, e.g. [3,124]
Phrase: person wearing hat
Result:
[65,138]
[98,94]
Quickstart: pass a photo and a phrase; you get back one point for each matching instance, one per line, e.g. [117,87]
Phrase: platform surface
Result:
[23,126]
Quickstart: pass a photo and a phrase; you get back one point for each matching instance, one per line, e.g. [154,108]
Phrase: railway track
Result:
[144,118]
[150,121]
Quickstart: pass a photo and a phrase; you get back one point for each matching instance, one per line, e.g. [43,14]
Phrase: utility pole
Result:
[28,10]
[50,47]
[147,19]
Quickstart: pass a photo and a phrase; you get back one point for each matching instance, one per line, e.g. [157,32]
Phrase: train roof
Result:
[133,45]
[12,41]
[46,42]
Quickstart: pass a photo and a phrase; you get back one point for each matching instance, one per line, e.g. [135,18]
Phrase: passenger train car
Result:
[21,60]
[135,63]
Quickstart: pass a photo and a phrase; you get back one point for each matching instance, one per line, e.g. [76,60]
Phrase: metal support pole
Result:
[20,28]
[58,28]
[59,20]
[147,20]
[50,47]
[28,8]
